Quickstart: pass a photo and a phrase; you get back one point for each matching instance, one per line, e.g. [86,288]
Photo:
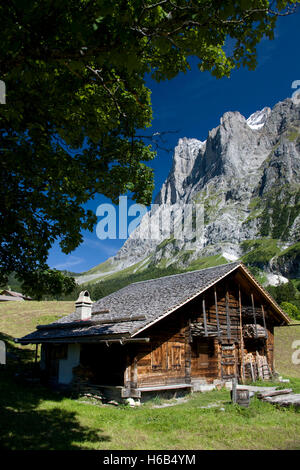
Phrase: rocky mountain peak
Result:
[258,119]
[185,155]
[246,176]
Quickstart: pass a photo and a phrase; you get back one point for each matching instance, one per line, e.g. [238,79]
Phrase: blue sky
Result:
[192,104]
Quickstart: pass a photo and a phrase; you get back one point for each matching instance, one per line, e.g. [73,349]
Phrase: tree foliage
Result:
[48,284]
[287,295]
[76,99]
[291,310]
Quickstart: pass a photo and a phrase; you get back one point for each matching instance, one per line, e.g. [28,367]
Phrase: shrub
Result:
[291,310]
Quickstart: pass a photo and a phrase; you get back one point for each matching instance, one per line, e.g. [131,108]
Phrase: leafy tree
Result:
[291,310]
[284,292]
[48,284]
[75,98]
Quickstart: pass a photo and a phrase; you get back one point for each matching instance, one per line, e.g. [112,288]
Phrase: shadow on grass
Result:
[25,426]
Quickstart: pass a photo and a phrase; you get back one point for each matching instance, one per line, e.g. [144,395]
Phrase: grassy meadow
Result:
[33,417]
[285,347]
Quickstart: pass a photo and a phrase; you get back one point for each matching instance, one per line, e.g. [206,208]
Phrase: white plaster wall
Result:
[65,367]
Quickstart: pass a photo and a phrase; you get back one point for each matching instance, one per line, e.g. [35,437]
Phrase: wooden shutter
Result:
[175,355]
[157,357]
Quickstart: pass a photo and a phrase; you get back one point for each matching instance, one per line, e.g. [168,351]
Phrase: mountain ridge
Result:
[246,176]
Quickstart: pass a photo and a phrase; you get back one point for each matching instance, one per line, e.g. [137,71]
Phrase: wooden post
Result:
[36,359]
[217,313]
[242,340]
[189,333]
[36,354]
[233,391]
[127,373]
[266,341]
[204,317]
[134,373]
[188,353]
[264,319]
[253,377]
[228,317]
[254,314]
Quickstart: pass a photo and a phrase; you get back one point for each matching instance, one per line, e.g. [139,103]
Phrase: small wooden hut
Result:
[176,333]
[9,295]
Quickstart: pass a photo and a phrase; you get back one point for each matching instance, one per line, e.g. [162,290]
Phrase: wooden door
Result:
[229,363]
[204,358]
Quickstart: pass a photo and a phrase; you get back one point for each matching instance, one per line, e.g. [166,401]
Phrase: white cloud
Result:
[104,247]
[70,262]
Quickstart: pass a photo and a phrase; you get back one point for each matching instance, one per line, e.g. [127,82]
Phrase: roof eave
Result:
[265,294]
[250,277]
[186,301]
[124,338]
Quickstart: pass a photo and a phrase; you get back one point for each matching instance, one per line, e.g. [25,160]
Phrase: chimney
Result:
[83,305]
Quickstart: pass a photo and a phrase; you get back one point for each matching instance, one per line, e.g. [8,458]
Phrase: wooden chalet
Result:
[179,332]
[9,295]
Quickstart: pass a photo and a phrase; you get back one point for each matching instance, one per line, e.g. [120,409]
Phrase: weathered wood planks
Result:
[204,339]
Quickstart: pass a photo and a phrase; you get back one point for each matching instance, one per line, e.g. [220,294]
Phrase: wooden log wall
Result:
[175,356]
[205,359]
[225,309]
[165,359]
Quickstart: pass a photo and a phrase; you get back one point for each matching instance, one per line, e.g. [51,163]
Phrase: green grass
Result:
[207,262]
[291,252]
[115,276]
[33,417]
[293,135]
[284,338]
[280,208]
[259,252]
[20,318]
[101,268]
[164,243]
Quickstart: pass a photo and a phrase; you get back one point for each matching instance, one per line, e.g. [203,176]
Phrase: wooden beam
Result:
[83,323]
[134,373]
[275,311]
[36,354]
[189,333]
[233,390]
[123,341]
[228,316]
[217,313]
[188,353]
[254,314]
[242,340]
[105,310]
[266,342]
[204,317]
[79,340]
[127,373]
[264,319]
[274,393]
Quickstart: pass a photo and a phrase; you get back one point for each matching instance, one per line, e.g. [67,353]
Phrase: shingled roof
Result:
[15,295]
[130,310]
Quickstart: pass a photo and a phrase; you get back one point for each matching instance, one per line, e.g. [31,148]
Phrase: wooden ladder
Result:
[228,360]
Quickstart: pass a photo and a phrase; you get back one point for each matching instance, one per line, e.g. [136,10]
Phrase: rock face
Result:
[246,176]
